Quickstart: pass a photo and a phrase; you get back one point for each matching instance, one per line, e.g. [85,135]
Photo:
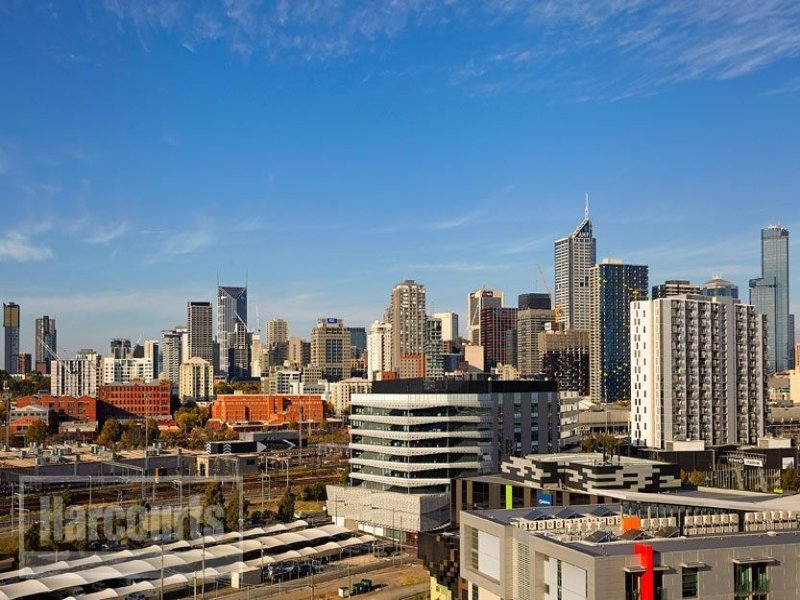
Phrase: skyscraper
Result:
[434,363]
[330,349]
[698,371]
[613,286]
[277,331]
[379,349]
[476,302]
[495,325]
[231,309]
[201,331]
[449,325]
[358,341]
[240,352]
[408,320]
[46,343]
[171,355]
[770,295]
[11,326]
[574,256]
[151,352]
[530,322]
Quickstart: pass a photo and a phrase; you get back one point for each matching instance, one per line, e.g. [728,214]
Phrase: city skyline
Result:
[310,315]
[448,145]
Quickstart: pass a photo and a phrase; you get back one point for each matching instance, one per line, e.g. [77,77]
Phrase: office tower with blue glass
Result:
[770,295]
[613,286]
[231,309]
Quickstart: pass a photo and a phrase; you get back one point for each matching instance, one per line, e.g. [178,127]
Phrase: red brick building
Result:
[412,366]
[134,400]
[64,408]
[279,409]
[18,427]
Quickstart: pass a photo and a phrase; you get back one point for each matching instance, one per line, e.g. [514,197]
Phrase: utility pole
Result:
[162,568]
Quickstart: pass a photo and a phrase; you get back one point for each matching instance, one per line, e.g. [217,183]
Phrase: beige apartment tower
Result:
[330,349]
[196,381]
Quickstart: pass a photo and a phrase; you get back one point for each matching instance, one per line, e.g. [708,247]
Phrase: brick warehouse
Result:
[277,409]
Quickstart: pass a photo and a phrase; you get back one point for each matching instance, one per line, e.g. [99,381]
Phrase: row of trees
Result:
[33,383]
[214,498]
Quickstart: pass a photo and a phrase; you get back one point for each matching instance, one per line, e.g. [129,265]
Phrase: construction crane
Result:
[53,355]
[556,308]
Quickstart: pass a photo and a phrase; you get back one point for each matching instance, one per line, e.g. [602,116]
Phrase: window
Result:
[633,586]
[473,546]
[689,582]
[750,581]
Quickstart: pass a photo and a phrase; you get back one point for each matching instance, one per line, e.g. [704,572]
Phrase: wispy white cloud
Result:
[791,87]
[106,234]
[187,242]
[18,247]
[455,222]
[557,47]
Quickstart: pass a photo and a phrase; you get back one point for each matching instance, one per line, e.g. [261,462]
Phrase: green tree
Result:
[286,506]
[132,436]
[153,434]
[191,416]
[697,478]
[314,492]
[588,444]
[110,434]
[37,432]
[232,512]
[222,388]
[344,478]
[197,439]
[33,383]
[213,494]
[790,479]
[609,444]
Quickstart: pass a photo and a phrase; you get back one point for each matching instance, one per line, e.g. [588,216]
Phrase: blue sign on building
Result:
[543,499]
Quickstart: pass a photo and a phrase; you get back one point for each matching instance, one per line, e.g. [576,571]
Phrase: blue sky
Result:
[328,149]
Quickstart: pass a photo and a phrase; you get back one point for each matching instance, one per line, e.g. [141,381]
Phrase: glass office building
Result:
[770,295]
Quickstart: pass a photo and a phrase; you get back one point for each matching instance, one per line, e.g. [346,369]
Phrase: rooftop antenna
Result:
[246,274]
[258,321]
[586,209]
[217,277]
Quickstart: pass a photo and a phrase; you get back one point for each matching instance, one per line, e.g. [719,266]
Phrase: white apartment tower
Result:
[196,380]
[126,370]
[79,376]
[449,325]
[379,349]
[408,320]
[698,371]
[574,256]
